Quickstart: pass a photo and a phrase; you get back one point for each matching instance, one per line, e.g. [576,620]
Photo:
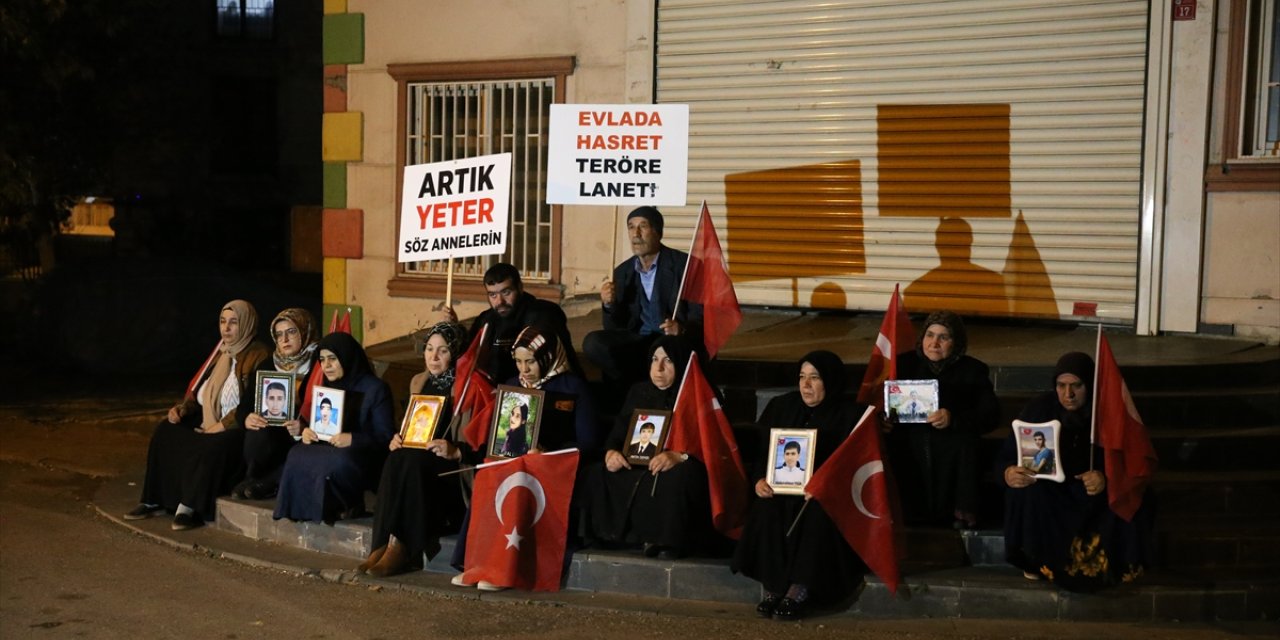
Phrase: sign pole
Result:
[448,285]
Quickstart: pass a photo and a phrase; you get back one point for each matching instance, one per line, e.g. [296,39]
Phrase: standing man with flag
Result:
[1066,532]
[641,304]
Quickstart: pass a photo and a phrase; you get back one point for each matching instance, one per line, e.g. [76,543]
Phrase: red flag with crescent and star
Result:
[472,393]
[1130,460]
[700,428]
[707,282]
[520,520]
[852,488]
[896,336]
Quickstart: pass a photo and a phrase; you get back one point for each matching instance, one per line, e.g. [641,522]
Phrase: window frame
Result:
[1237,172]
[472,289]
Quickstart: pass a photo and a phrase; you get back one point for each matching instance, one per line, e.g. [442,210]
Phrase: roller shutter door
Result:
[985,155]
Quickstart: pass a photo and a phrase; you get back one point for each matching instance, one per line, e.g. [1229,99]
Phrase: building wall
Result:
[407,31]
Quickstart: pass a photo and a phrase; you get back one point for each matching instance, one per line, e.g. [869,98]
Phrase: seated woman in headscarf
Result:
[814,561]
[195,453]
[266,444]
[415,504]
[937,461]
[568,414]
[1065,532]
[325,481]
[663,506]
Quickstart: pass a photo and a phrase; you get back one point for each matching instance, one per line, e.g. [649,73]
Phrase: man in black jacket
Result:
[511,309]
[640,304]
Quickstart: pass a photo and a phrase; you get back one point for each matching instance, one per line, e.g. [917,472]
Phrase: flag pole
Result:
[797,520]
[448,286]
[684,276]
[1093,393]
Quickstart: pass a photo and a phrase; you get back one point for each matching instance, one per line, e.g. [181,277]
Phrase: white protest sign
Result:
[455,208]
[607,154]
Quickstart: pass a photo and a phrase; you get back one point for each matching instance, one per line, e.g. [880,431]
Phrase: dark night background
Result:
[200,121]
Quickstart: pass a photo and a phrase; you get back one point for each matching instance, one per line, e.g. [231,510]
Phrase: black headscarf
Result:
[677,349]
[355,363]
[959,338]
[831,368]
[1077,364]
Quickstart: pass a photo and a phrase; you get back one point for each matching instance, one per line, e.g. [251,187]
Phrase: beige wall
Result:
[607,37]
[1242,264]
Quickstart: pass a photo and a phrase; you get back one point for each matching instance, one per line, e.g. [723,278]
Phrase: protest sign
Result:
[611,154]
[455,209]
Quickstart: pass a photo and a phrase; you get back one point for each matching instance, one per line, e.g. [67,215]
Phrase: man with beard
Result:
[511,309]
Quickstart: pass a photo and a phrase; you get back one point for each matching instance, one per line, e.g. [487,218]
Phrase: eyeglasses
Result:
[291,332]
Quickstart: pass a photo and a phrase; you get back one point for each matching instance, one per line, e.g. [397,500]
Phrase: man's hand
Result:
[671,327]
[607,293]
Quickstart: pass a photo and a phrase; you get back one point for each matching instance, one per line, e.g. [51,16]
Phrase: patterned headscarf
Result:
[547,351]
[455,337]
[300,362]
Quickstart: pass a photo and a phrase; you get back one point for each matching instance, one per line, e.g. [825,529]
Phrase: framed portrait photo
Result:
[647,435]
[790,459]
[327,409]
[420,420]
[273,397]
[516,416]
[911,400]
[1038,448]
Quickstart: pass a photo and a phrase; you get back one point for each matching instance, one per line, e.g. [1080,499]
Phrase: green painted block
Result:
[344,38]
[335,185]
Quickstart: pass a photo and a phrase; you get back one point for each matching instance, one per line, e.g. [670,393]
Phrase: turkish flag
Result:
[896,336]
[195,380]
[1130,458]
[473,394]
[707,282]
[520,519]
[700,428]
[853,489]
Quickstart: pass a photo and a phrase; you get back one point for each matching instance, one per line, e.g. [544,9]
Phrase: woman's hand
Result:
[309,436]
[614,460]
[254,422]
[664,462]
[1094,482]
[444,449]
[1019,477]
[940,419]
[763,489]
[294,427]
[175,414]
[341,440]
[396,442]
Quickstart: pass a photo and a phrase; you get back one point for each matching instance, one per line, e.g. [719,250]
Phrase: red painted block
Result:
[342,234]
[335,88]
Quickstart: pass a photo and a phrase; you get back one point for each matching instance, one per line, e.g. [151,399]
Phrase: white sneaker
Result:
[460,580]
[485,585]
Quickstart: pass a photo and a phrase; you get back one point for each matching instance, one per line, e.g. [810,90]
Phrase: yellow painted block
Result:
[335,280]
[334,6]
[341,137]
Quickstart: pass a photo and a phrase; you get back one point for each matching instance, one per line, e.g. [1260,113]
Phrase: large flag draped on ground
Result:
[700,428]
[896,336]
[519,520]
[706,282]
[853,489]
[473,393]
[1131,460]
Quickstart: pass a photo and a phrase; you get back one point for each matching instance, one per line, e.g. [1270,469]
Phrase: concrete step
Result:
[936,585]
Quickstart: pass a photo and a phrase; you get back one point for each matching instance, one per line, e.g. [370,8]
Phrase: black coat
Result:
[527,311]
[625,312]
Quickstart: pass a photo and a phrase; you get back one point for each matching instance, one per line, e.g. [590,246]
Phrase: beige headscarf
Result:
[211,395]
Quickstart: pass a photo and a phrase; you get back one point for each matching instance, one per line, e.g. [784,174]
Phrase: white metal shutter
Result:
[847,130]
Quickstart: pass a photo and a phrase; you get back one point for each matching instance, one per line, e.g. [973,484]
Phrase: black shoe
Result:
[241,491]
[651,550]
[670,553]
[789,610]
[184,521]
[143,511]
[766,607]
[261,491]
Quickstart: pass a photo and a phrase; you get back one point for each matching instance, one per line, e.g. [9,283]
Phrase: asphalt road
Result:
[67,572]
